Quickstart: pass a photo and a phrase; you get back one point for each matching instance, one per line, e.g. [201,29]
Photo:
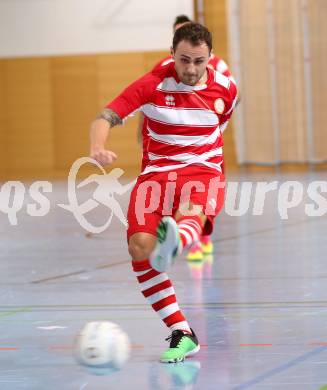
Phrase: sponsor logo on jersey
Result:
[170,100]
[219,106]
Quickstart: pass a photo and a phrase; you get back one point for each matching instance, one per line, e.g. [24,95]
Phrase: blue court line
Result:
[279,369]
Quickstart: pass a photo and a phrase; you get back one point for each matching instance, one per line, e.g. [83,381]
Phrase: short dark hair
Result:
[195,33]
[180,19]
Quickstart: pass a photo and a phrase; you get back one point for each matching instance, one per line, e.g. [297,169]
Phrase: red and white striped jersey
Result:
[184,123]
[215,63]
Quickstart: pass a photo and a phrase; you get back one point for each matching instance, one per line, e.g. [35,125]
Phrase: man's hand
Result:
[102,156]
[98,135]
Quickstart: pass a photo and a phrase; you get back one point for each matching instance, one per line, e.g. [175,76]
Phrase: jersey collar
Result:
[185,87]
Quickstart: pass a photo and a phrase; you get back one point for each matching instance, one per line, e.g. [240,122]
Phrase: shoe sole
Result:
[179,360]
[207,253]
[195,259]
[162,256]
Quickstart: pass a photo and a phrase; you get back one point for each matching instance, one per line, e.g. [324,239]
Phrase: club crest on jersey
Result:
[170,100]
[219,106]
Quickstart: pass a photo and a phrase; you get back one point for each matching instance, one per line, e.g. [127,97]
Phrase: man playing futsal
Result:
[204,246]
[187,106]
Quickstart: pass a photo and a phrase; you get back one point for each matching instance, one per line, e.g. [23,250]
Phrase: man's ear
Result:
[172,52]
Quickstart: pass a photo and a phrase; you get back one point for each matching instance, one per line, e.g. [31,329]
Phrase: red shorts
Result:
[162,193]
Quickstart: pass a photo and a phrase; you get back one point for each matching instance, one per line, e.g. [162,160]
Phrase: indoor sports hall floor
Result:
[259,306]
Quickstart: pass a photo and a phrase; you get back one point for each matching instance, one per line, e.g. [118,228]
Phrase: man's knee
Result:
[141,245]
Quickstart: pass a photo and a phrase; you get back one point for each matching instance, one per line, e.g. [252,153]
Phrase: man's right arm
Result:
[98,136]
[129,101]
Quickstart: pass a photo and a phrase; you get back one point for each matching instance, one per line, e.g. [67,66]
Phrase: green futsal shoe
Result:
[166,248]
[181,346]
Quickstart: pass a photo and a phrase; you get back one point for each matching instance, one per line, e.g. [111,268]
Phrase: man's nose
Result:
[191,68]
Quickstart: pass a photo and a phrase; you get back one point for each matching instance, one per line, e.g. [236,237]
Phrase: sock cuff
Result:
[142,265]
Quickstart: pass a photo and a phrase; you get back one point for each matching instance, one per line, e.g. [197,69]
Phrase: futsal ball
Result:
[102,344]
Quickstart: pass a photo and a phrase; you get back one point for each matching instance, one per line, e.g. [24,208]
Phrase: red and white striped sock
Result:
[159,292]
[190,230]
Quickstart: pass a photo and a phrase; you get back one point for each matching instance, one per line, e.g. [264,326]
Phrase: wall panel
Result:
[280,48]
[75,104]
[256,101]
[215,20]
[115,72]
[150,59]
[3,121]
[29,115]
[318,60]
[290,86]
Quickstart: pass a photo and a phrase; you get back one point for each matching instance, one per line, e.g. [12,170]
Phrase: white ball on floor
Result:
[102,344]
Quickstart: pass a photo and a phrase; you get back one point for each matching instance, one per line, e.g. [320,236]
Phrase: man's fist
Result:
[103,157]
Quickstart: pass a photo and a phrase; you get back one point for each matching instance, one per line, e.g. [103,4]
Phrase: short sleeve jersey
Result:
[184,124]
